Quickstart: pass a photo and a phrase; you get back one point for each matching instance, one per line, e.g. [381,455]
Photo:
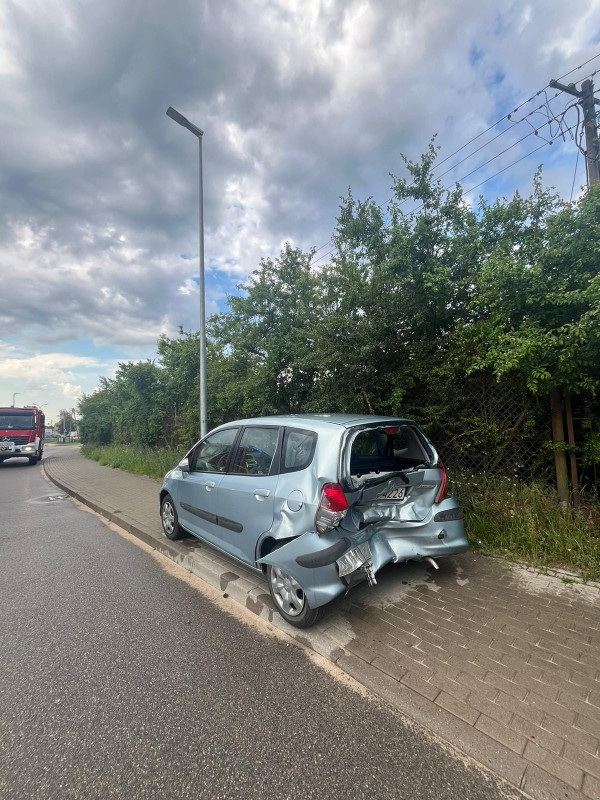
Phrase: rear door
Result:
[247,493]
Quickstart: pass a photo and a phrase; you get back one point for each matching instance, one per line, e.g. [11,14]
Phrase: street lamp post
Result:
[14,395]
[181,120]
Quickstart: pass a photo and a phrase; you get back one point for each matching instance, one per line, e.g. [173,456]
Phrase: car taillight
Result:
[332,508]
[444,486]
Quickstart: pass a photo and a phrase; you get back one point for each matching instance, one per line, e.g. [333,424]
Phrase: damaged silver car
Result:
[319,502]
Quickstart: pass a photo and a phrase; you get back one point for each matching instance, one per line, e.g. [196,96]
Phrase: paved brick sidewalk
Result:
[496,659]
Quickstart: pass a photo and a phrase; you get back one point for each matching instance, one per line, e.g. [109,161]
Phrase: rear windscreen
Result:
[380,450]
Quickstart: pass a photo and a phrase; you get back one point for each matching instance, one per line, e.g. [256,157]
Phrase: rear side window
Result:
[380,450]
[255,451]
[298,449]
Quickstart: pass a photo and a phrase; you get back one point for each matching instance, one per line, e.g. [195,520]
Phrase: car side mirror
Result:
[184,465]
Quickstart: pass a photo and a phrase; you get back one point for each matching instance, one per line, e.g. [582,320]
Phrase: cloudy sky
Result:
[298,99]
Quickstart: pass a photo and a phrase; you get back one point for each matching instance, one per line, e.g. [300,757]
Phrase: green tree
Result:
[96,415]
[263,344]
[66,421]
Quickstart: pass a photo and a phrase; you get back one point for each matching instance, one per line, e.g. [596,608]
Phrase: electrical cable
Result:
[574,176]
[477,185]
[491,127]
[500,171]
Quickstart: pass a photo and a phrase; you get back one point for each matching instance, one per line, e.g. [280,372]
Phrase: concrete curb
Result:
[250,591]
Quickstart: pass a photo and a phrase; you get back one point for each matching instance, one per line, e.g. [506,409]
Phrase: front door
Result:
[247,493]
[198,489]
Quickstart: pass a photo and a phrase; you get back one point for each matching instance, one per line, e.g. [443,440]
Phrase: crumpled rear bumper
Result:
[303,558]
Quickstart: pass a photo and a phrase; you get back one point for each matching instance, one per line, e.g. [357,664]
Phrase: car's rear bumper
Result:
[312,559]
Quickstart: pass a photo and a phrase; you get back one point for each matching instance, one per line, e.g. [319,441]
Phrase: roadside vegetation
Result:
[524,522]
[466,317]
[152,461]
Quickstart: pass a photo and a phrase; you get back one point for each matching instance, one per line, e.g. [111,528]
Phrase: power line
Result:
[593,58]
[509,115]
[485,180]
[500,171]
[501,133]
[545,104]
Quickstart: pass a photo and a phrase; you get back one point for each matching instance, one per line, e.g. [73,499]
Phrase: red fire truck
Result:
[22,433]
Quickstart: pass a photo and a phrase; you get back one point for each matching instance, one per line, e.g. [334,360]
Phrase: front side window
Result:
[298,449]
[256,451]
[212,455]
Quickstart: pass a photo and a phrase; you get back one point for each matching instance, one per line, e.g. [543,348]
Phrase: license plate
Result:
[395,493]
[4,446]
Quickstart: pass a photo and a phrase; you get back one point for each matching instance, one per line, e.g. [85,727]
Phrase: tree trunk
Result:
[572,456]
[560,456]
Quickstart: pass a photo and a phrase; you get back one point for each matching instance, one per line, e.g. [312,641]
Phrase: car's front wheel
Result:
[169,519]
[290,599]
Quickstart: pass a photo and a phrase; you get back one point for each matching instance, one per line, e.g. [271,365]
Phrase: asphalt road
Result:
[120,679]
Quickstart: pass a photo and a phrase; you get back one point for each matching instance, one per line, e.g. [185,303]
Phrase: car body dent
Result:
[288,519]
[387,541]
[320,584]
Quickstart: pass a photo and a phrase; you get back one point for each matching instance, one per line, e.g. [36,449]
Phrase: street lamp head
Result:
[181,120]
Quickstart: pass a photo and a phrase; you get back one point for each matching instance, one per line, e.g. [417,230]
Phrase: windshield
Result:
[21,422]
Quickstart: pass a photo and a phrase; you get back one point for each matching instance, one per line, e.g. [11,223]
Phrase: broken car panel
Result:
[319,502]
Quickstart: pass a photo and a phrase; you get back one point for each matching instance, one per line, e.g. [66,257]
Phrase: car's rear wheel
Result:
[290,599]
[169,519]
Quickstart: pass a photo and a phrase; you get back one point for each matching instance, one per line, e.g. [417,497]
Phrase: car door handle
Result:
[261,493]
[210,485]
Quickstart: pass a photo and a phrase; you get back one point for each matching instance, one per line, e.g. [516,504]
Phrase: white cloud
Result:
[52,380]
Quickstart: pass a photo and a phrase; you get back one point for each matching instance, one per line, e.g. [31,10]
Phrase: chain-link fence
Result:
[484,426]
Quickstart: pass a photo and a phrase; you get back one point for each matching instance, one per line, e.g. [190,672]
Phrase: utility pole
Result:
[588,102]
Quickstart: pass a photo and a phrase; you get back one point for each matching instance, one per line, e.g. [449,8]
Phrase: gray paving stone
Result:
[501,733]
[591,787]
[561,769]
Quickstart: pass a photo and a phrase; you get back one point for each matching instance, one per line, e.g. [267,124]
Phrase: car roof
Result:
[317,421]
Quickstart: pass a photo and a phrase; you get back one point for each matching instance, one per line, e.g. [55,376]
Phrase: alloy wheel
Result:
[168,517]
[287,592]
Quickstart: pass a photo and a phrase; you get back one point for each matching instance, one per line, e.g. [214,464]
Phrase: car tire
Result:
[169,519]
[32,460]
[303,618]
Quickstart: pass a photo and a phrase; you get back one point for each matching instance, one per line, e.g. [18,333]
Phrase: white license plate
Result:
[393,494]
[4,446]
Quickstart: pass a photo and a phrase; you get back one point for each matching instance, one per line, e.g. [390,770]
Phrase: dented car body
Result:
[319,502]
